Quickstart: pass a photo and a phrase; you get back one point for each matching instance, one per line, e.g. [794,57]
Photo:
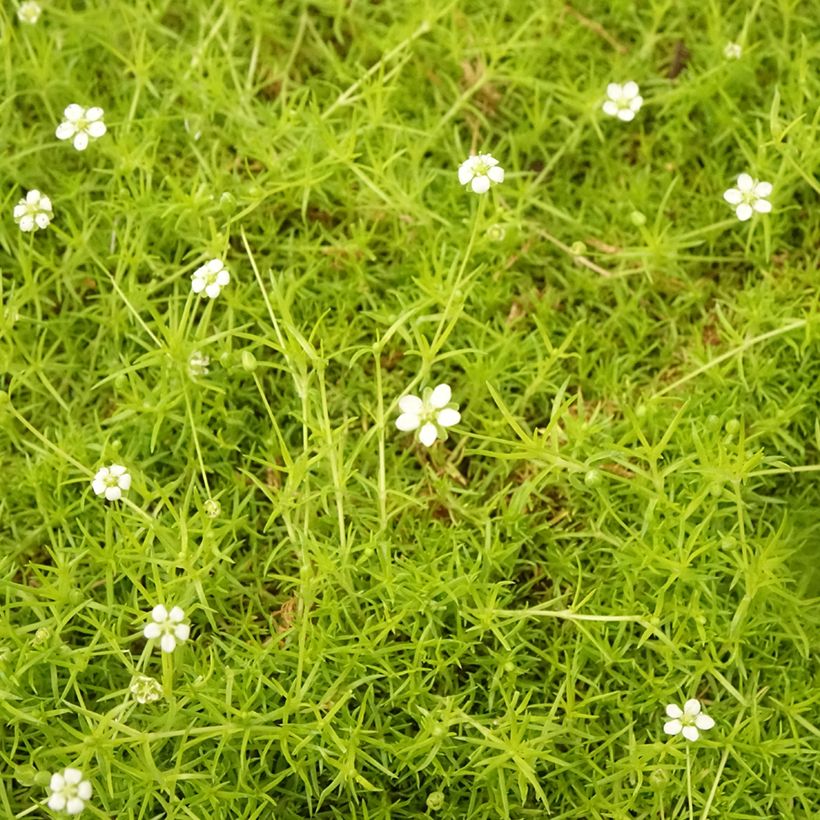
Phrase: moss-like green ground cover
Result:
[625,517]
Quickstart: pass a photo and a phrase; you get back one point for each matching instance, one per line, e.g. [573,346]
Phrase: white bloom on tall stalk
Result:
[81,124]
[749,196]
[111,482]
[623,101]
[33,212]
[480,172]
[733,51]
[687,721]
[168,627]
[68,791]
[29,12]
[210,278]
[430,415]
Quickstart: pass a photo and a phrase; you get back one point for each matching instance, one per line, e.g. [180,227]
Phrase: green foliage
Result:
[626,516]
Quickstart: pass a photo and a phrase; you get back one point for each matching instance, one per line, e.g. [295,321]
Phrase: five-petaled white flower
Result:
[33,212]
[749,196]
[111,481]
[687,721]
[29,12]
[480,172]
[68,791]
[430,415]
[210,278]
[733,51]
[168,627]
[80,124]
[624,101]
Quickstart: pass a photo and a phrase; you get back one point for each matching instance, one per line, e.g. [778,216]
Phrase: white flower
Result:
[749,196]
[80,124]
[212,507]
[480,172]
[33,212]
[210,278]
[198,364]
[145,689]
[733,51]
[68,791]
[688,720]
[29,12]
[111,481]
[168,627]
[624,100]
[430,415]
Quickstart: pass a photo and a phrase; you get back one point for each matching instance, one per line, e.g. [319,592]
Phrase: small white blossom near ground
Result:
[145,689]
[167,626]
[749,196]
[480,172]
[29,12]
[68,791]
[212,507]
[210,278]
[733,51]
[111,482]
[689,721]
[34,212]
[623,101]
[198,364]
[430,415]
[81,125]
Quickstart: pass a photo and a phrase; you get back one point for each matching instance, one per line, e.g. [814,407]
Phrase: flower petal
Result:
[176,614]
[481,184]
[448,417]
[428,434]
[152,631]
[411,404]
[407,422]
[611,108]
[441,396]
[704,722]
[733,196]
[45,203]
[465,171]
[57,783]
[635,103]
[212,290]
[213,266]
[73,112]
[745,183]
[168,643]
[626,114]
[27,223]
[98,485]
[159,613]
[96,129]
[81,141]
[762,206]
[630,90]
[65,131]
[42,220]
[674,711]
[744,211]
[672,727]
[113,493]
[124,482]
[690,733]
[496,173]
[94,113]
[84,790]
[763,189]
[72,776]
[56,802]
[74,805]
[197,284]
[614,91]
[691,707]
[223,278]
[182,631]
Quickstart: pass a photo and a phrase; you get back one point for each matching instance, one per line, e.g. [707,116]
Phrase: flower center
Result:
[481,168]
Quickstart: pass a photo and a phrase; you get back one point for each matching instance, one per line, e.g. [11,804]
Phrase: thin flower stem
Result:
[689,782]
